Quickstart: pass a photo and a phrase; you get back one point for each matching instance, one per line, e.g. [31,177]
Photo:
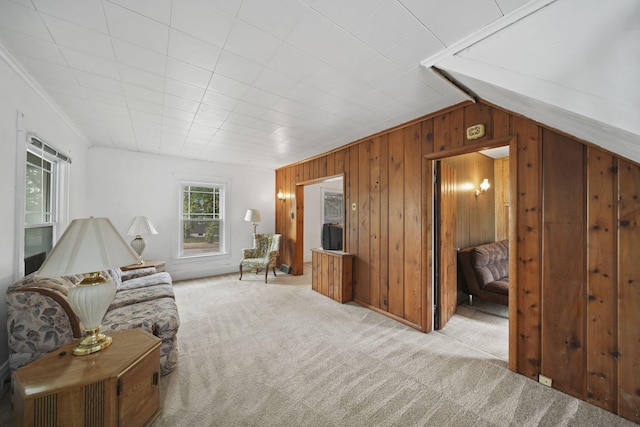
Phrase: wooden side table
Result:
[116,386]
[332,274]
[159,265]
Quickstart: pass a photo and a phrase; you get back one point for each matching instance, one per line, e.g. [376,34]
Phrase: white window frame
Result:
[59,193]
[224,228]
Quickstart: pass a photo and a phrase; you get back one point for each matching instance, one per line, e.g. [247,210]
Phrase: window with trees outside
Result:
[202,219]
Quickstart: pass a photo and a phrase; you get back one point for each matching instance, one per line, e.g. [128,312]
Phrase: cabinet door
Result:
[139,391]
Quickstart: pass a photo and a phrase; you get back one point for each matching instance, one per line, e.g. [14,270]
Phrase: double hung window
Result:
[202,219]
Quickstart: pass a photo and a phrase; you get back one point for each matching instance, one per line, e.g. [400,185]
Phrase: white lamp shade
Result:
[140,225]
[88,245]
[252,215]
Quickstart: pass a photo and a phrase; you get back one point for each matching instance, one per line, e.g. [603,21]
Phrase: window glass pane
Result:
[34,205]
[202,220]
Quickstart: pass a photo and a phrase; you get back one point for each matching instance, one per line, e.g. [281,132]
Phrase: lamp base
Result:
[92,343]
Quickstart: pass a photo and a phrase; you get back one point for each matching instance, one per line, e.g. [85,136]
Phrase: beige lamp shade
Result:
[87,245]
[252,215]
[139,226]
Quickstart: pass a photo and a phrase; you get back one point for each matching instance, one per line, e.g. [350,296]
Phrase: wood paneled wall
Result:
[575,234]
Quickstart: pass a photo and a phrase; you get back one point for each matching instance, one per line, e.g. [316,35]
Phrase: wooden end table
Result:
[159,265]
[116,386]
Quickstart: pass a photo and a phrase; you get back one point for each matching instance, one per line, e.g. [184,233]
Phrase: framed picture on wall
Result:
[332,207]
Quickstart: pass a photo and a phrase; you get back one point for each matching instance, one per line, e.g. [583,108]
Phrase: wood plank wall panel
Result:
[529,235]
[629,291]
[375,252]
[601,280]
[563,285]
[478,114]
[605,307]
[413,223]
[396,224]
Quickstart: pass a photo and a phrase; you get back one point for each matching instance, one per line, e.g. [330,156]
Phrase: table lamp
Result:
[253,216]
[139,226]
[89,246]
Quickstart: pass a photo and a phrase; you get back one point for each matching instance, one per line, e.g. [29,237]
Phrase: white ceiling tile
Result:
[61,87]
[176,123]
[261,97]
[409,52]
[72,101]
[201,20]
[109,109]
[251,42]
[508,6]
[202,127]
[177,114]
[143,94]
[187,73]
[173,132]
[95,81]
[226,86]
[87,13]
[350,55]
[346,14]
[190,49]
[218,100]
[195,135]
[276,17]
[142,78]
[139,57]
[273,81]
[158,10]
[316,35]
[105,97]
[23,20]
[379,71]
[184,90]
[47,71]
[90,63]
[444,20]
[137,29]
[237,67]
[80,38]
[22,44]
[183,104]
[387,27]
[293,62]
[144,106]
[230,6]
[212,112]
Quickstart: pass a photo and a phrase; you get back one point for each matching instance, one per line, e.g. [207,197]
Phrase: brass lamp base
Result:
[92,343]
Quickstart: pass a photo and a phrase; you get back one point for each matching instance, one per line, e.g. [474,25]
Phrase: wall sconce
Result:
[484,186]
[281,195]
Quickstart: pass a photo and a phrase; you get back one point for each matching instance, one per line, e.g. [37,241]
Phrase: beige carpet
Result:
[281,354]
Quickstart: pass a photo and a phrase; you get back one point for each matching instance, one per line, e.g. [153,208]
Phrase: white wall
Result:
[38,117]
[313,213]
[125,184]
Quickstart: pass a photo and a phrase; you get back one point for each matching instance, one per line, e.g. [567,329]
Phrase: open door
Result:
[446,286]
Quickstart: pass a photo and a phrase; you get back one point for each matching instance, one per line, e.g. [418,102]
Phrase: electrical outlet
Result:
[353,206]
[544,380]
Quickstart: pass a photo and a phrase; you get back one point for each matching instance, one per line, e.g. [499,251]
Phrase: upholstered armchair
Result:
[264,254]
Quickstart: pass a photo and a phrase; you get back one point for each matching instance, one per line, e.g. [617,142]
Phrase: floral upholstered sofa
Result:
[40,319]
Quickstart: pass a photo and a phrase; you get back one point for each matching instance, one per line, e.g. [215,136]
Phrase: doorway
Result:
[471,208]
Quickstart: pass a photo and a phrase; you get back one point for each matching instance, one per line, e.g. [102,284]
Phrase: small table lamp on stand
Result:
[139,226]
[89,246]
[253,216]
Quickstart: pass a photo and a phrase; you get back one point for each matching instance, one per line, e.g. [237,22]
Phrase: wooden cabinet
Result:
[332,274]
[118,386]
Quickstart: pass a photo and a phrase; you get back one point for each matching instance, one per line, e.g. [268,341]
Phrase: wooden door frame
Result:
[298,266]
[512,142]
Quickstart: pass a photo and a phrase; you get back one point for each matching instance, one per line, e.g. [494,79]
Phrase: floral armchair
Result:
[264,254]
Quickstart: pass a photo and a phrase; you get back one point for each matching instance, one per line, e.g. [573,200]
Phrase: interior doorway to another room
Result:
[468,214]
[323,203]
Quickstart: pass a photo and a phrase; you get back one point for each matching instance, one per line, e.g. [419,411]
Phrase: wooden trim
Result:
[513,253]
[492,143]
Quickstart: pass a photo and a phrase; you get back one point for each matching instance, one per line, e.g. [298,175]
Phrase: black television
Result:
[332,237]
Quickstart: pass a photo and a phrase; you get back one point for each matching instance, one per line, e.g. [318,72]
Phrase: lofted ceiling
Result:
[255,82]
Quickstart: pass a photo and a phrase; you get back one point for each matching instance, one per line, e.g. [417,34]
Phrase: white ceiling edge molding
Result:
[602,122]
[489,30]
[35,86]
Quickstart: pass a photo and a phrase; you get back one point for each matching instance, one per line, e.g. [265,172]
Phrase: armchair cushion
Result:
[264,254]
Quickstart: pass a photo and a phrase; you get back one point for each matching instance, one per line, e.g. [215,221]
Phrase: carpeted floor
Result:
[280,354]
